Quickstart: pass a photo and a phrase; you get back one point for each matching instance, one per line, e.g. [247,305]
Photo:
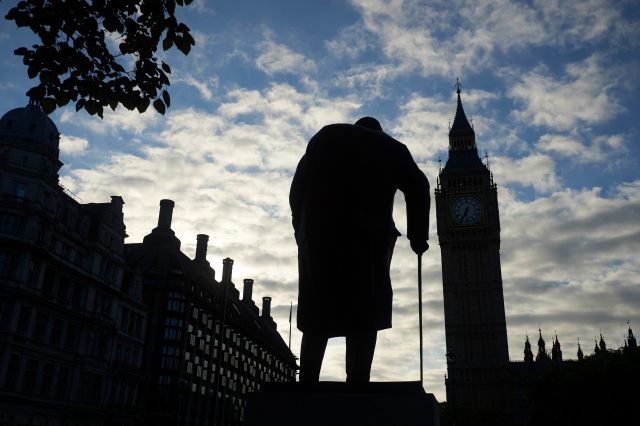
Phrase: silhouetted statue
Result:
[342,202]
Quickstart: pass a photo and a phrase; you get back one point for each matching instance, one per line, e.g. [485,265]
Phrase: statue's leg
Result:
[360,348]
[311,355]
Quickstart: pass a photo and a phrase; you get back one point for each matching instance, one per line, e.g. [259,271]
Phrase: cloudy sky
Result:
[551,87]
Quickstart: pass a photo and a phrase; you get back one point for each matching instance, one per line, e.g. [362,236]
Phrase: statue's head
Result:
[369,123]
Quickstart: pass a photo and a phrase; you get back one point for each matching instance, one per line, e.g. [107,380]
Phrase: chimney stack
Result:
[201,248]
[227,267]
[166,211]
[266,307]
[247,290]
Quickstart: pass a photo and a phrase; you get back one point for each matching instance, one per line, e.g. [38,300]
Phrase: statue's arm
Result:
[415,186]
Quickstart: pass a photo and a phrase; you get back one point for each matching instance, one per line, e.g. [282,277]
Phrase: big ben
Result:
[469,237]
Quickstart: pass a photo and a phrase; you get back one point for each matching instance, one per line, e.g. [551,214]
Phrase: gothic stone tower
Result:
[469,236]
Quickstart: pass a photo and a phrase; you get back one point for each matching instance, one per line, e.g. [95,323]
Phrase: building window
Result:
[175,302]
[19,190]
[7,264]
[47,380]
[62,384]
[40,330]
[6,311]
[24,319]
[55,339]
[170,357]
[11,224]
[172,334]
[77,297]
[30,377]
[48,282]
[13,370]
[63,289]
[164,380]
[169,363]
[70,338]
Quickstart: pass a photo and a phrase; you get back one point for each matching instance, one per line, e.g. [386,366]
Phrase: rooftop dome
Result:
[30,123]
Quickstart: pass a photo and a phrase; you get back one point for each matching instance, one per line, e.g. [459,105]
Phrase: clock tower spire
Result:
[469,237]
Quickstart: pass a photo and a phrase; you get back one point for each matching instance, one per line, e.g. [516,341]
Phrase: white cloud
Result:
[73,145]
[580,21]
[206,88]
[569,263]
[422,125]
[581,97]
[351,42]
[448,38]
[601,148]
[535,170]
[277,58]
[368,80]
[113,122]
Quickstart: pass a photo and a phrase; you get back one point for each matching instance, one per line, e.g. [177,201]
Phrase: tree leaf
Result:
[166,68]
[91,107]
[159,106]
[48,105]
[32,72]
[80,104]
[113,103]
[167,42]
[166,98]
[143,104]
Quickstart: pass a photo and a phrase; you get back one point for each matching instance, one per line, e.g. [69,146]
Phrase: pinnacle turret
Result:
[580,354]
[542,355]
[631,340]
[528,354]
[603,345]
[556,352]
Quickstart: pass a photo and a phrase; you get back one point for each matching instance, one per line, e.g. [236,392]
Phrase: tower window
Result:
[19,189]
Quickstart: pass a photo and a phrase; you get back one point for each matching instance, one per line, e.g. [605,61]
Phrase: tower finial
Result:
[458,85]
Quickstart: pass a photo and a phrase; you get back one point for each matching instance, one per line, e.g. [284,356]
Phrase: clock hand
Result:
[465,213]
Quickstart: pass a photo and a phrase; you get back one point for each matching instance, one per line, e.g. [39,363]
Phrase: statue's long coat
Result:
[342,202]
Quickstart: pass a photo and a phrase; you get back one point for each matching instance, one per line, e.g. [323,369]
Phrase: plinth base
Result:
[337,404]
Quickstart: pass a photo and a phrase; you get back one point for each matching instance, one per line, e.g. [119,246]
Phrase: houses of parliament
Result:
[481,376]
[94,331]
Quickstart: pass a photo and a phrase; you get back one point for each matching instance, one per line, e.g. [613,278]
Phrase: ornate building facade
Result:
[72,320]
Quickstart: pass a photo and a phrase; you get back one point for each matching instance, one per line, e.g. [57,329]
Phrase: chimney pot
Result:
[201,247]
[266,307]
[247,290]
[227,267]
[166,212]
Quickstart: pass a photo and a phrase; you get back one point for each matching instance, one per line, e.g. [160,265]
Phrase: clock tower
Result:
[469,237]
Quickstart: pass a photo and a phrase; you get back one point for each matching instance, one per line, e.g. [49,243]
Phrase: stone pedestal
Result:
[337,404]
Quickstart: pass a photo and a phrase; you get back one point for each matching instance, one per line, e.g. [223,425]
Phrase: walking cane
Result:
[420,312]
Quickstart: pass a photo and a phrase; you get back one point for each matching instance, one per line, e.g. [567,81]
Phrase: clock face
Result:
[466,210]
